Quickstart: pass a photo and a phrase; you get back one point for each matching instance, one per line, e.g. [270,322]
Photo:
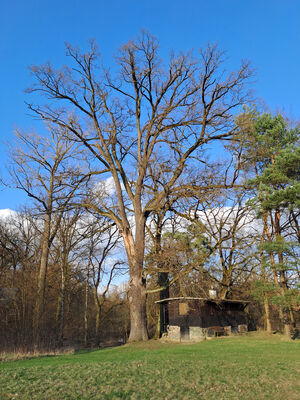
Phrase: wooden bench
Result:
[216,330]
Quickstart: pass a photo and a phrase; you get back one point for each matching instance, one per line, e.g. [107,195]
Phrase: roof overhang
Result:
[204,299]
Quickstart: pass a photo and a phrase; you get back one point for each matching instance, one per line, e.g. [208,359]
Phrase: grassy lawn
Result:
[248,367]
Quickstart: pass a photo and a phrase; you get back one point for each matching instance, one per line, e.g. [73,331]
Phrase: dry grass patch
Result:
[27,355]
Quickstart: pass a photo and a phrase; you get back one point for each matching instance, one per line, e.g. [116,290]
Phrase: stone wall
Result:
[173,332]
[197,334]
[242,328]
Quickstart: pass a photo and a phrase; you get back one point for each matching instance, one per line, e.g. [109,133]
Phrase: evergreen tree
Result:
[271,151]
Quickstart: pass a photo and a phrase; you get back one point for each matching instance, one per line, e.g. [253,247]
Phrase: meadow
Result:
[247,367]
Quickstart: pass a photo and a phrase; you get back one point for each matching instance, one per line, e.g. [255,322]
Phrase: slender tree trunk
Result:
[62,305]
[226,276]
[163,277]
[274,269]
[269,238]
[276,281]
[286,316]
[283,280]
[85,314]
[39,307]
[163,281]
[97,326]
[292,318]
[268,325]
[98,312]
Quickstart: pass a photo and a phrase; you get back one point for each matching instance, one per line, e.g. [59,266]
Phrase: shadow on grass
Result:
[102,347]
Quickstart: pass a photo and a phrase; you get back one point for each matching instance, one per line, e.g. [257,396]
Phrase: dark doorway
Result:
[184,332]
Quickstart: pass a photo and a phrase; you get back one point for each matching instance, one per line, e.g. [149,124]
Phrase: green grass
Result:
[248,367]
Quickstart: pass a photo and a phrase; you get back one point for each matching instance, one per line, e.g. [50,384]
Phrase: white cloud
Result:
[6,213]
[107,186]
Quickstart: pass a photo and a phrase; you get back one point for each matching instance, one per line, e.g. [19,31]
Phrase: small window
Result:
[183,308]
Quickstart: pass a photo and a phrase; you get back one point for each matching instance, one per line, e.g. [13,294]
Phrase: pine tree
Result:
[271,151]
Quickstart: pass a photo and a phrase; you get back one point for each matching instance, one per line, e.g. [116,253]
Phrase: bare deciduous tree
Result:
[101,241]
[45,168]
[149,114]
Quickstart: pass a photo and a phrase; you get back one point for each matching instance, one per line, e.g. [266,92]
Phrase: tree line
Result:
[163,170]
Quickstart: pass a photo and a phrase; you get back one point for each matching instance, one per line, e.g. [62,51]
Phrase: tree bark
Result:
[86,299]
[62,305]
[163,281]
[268,325]
[163,277]
[226,275]
[283,281]
[137,301]
[137,284]
[98,311]
[39,308]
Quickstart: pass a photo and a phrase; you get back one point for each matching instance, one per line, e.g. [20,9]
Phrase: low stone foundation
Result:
[173,333]
[242,328]
[196,333]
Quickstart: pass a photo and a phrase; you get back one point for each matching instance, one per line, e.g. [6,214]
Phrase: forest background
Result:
[245,249]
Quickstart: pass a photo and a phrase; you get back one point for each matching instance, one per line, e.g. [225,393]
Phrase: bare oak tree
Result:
[150,113]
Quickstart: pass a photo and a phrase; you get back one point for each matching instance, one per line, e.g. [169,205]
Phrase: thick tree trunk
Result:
[137,285]
[226,283]
[137,303]
[224,290]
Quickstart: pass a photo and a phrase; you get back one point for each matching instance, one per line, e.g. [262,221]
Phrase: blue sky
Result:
[267,32]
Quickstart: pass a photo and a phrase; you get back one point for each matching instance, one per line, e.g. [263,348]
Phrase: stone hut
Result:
[194,318]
